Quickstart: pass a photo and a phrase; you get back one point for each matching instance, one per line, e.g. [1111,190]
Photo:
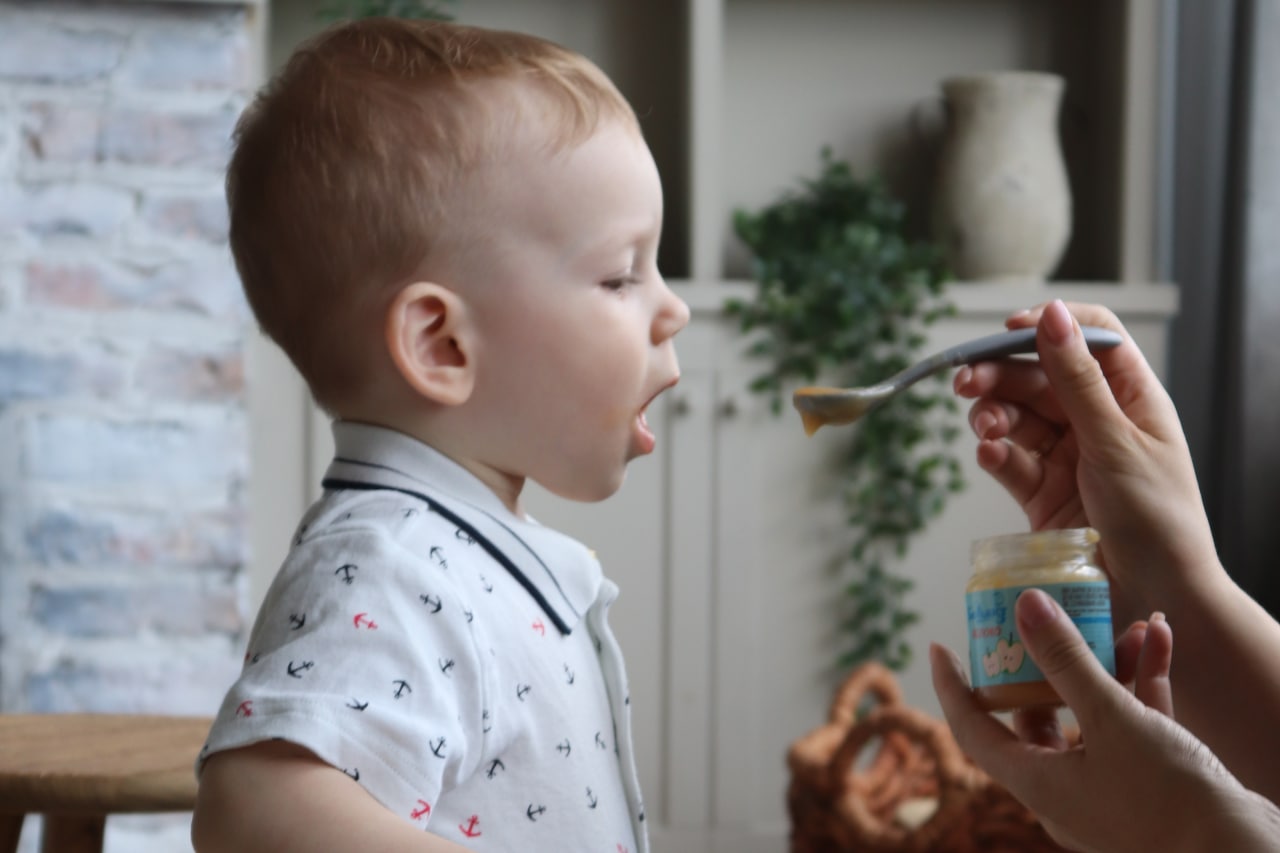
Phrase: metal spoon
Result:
[818,405]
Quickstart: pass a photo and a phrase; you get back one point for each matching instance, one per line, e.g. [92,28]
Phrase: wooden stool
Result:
[75,769]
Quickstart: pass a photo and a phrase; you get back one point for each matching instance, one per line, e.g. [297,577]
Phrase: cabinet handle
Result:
[681,406]
[729,407]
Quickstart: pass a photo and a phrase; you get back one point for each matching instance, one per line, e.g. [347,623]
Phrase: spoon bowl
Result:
[819,406]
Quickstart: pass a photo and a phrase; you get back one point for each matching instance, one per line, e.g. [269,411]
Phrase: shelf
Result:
[743,95]
[862,77]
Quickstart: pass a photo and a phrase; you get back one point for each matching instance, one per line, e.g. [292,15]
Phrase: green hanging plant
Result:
[343,10]
[843,293]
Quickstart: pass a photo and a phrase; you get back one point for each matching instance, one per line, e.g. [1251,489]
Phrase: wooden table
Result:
[75,769]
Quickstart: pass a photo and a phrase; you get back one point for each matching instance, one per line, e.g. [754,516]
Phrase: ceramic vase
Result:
[1002,206]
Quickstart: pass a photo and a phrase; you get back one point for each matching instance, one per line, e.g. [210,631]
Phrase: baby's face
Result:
[575,321]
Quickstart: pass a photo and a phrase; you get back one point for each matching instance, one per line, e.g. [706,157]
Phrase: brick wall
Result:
[123,430]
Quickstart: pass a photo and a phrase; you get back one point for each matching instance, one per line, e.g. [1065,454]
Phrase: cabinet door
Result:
[778,524]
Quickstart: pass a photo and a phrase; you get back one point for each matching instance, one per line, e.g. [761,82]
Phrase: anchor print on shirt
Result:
[432,601]
[592,799]
[347,573]
[437,747]
[463,536]
[564,747]
[446,666]
[357,705]
[362,620]
[297,669]
[437,556]
[535,812]
[423,810]
[296,621]
[402,688]
[470,828]
[494,767]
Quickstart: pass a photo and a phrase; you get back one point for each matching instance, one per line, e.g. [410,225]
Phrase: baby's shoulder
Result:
[382,538]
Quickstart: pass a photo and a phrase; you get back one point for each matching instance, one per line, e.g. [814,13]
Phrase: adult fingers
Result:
[992,419]
[984,738]
[1128,648]
[1082,389]
[1044,486]
[1016,380]
[1151,683]
[1132,384]
[1018,473]
[1056,646]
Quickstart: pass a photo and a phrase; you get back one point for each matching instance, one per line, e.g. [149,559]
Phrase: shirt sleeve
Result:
[363,654]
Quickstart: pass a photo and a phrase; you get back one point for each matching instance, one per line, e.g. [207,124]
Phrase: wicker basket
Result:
[895,780]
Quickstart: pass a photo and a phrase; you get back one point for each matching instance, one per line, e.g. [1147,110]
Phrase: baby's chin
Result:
[588,489]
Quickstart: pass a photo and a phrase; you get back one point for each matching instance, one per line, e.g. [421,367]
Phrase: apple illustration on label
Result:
[991,663]
[1010,654]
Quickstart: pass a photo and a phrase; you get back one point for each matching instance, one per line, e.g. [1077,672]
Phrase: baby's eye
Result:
[620,283]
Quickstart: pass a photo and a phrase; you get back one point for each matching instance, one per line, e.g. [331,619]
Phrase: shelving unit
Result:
[719,542]
[737,98]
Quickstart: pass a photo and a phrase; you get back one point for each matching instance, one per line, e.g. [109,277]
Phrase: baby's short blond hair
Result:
[345,163]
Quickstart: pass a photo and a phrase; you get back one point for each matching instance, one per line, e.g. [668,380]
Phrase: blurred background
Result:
[155,453]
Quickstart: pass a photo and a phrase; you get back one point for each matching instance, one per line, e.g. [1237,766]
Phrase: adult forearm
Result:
[1226,680]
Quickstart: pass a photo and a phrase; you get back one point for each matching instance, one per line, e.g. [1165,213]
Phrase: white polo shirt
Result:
[452,658]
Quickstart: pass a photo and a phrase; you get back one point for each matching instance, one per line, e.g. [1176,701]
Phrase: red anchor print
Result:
[361,621]
[245,709]
[622,849]
[424,809]
[540,627]
[469,828]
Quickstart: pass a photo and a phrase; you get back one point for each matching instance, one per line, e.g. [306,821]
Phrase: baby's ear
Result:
[428,338]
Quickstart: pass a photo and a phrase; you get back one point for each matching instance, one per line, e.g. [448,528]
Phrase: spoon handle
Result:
[1016,342]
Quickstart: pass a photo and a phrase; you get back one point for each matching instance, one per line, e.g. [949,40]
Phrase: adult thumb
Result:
[1056,646]
[1076,376]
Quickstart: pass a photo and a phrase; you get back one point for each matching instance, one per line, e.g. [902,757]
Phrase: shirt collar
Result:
[561,574]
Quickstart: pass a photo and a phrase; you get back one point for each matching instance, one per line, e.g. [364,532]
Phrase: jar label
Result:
[996,653]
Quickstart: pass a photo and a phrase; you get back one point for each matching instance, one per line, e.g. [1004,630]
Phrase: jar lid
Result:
[1045,543]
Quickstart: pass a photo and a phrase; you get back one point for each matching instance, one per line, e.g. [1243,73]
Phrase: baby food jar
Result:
[1060,562]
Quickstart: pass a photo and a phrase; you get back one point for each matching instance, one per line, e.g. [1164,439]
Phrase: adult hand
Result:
[1079,439]
[1136,781]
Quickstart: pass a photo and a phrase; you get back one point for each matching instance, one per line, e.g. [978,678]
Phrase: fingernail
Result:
[1157,616]
[1057,323]
[1035,608]
[1021,313]
[963,376]
[983,423]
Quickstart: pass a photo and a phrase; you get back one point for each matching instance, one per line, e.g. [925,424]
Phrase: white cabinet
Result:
[723,542]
